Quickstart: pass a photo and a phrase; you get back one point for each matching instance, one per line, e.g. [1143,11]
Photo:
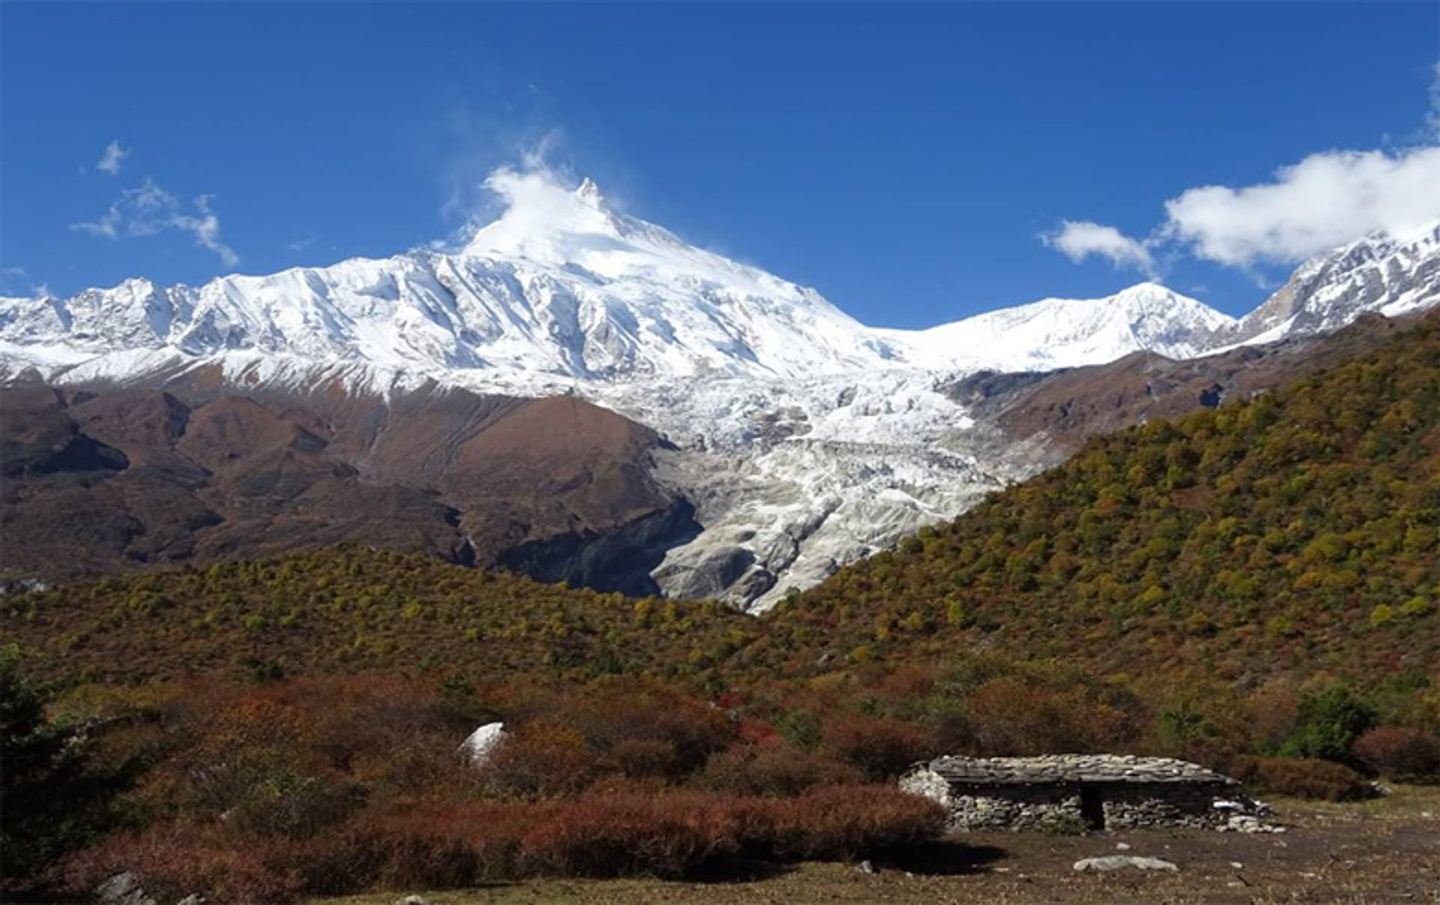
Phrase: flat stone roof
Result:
[1068,768]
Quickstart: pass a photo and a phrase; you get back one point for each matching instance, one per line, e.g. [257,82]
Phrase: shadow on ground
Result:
[732,869]
[941,858]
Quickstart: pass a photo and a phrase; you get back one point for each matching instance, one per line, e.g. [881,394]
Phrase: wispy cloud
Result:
[480,141]
[1081,239]
[112,159]
[148,209]
[18,279]
[1432,118]
[1326,200]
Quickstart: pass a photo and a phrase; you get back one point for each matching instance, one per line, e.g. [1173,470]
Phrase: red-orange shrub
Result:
[175,861]
[610,836]
[879,748]
[906,683]
[1009,716]
[769,770]
[1399,753]
[425,847]
[447,846]
[640,758]
[840,822]
[619,710]
[541,760]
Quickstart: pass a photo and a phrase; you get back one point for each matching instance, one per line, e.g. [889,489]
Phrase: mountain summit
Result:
[802,438]
[563,287]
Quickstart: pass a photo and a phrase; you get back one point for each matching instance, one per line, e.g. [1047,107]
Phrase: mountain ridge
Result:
[566,287]
[803,439]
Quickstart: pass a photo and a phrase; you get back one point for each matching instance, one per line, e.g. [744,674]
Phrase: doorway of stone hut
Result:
[1092,807]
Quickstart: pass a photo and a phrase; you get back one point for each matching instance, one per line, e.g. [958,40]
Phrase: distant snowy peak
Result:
[561,286]
[565,287]
[1379,273]
[1060,333]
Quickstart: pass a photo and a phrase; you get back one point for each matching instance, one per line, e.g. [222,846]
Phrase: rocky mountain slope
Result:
[801,438]
[1378,273]
[558,488]
[1296,531]
[1051,414]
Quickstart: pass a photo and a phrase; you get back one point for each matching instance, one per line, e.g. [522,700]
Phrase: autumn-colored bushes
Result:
[301,787]
[839,822]
[174,861]
[541,760]
[1301,778]
[1399,753]
[456,845]
[880,748]
[772,770]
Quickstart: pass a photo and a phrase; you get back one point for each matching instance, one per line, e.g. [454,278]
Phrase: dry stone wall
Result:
[1052,793]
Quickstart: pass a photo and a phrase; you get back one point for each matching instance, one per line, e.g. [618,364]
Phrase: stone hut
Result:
[1077,791]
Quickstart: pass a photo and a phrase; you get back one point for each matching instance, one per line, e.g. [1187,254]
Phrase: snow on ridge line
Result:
[563,286]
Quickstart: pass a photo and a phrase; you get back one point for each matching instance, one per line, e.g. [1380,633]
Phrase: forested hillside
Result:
[1253,587]
[354,609]
[1296,531]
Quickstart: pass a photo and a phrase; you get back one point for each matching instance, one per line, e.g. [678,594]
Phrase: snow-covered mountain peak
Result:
[545,221]
[1146,293]
[1060,332]
[579,232]
[589,191]
[1392,274]
[803,437]
[564,286]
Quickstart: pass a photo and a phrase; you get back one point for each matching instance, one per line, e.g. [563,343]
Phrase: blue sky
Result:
[905,160]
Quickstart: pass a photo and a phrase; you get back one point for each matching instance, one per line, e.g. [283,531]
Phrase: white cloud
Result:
[113,157]
[148,209]
[1079,239]
[1324,201]
[1327,200]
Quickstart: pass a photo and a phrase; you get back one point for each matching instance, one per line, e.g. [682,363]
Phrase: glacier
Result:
[804,438]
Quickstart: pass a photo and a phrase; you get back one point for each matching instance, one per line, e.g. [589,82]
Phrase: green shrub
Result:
[1328,724]
[52,797]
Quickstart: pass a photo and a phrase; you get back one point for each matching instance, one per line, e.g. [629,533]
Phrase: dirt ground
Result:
[1386,850]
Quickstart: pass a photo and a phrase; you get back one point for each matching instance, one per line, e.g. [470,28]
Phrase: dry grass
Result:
[1369,852]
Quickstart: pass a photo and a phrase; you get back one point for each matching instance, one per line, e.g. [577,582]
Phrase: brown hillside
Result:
[121,479]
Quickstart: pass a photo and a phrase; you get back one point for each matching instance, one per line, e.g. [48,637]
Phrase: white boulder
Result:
[482,743]
[1119,862]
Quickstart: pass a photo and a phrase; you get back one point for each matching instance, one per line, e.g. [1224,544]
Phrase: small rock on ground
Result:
[1119,862]
[122,889]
